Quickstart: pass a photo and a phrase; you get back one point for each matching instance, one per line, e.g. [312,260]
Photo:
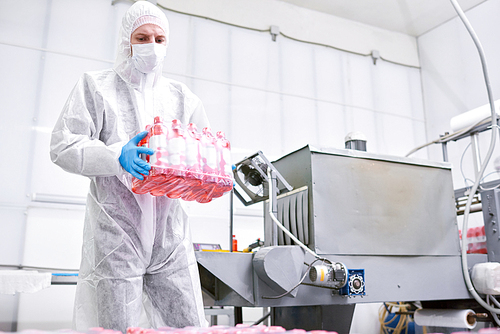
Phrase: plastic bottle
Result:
[158,142]
[471,244]
[481,247]
[275,329]
[145,142]
[134,330]
[476,240]
[224,166]
[209,155]
[176,158]
[193,154]
[177,148]
[153,180]
[223,154]
[139,185]
[235,244]
[194,173]
[208,165]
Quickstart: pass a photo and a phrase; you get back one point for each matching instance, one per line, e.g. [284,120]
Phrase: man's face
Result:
[148,33]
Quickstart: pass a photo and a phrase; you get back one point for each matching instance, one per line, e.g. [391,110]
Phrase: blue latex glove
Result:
[130,160]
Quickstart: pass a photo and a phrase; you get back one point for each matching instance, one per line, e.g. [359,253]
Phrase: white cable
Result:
[493,299]
[465,270]
[493,315]
[449,137]
[276,221]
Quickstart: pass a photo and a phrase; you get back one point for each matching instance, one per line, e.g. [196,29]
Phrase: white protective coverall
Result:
[136,248]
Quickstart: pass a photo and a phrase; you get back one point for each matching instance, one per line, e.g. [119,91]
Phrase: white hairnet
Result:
[140,13]
[148,19]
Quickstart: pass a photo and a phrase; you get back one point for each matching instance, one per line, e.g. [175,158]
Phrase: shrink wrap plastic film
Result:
[27,281]
[445,318]
[187,164]
[238,329]
[476,240]
[486,278]
[473,116]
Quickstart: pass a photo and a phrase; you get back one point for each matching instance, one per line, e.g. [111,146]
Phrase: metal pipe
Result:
[274,203]
[476,158]
[473,208]
[231,217]
[444,146]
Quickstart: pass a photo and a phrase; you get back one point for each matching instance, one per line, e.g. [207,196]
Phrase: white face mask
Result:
[147,57]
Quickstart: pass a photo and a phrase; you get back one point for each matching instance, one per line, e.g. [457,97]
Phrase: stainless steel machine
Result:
[384,227]
[357,227]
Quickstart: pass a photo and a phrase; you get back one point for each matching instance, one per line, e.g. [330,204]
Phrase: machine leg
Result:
[238,315]
[9,310]
[490,202]
[319,317]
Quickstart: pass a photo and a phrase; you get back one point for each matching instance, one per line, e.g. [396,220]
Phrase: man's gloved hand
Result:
[130,160]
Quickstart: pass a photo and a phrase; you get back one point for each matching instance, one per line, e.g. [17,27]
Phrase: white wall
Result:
[453,83]
[269,96]
[304,24]
[44,46]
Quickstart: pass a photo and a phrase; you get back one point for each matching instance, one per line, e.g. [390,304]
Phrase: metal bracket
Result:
[275,31]
[375,56]
[256,161]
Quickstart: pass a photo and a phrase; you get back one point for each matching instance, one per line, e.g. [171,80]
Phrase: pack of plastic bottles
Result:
[238,329]
[476,240]
[187,163]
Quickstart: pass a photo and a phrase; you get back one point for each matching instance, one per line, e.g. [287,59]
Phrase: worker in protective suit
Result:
[137,253]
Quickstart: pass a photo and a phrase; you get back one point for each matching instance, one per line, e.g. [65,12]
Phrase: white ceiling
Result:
[411,17]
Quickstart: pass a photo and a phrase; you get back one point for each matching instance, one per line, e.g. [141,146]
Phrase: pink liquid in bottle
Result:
[208,165]
[177,158]
[158,142]
[209,156]
[194,172]
[177,149]
[145,141]
[159,159]
[142,186]
[148,184]
[224,165]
